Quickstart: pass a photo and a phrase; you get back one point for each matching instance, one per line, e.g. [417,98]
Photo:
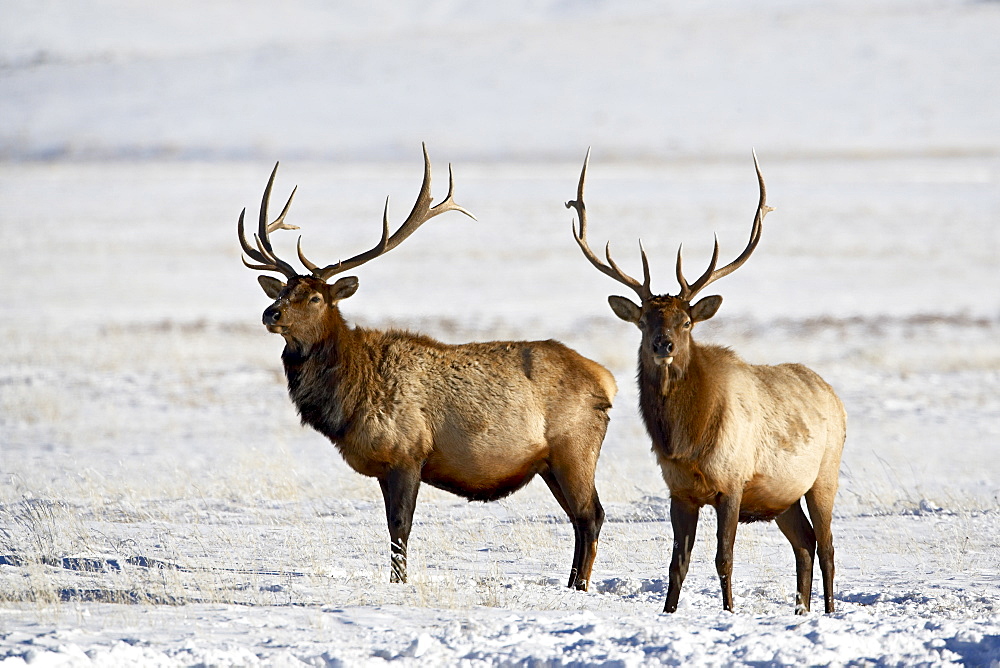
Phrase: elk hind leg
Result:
[800,534]
[820,503]
[684,522]
[578,498]
[399,491]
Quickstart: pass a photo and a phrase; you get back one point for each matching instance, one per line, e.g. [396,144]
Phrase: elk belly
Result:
[768,494]
[478,476]
[762,502]
[489,444]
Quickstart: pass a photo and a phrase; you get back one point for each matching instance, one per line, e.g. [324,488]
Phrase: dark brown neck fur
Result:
[682,415]
[323,370]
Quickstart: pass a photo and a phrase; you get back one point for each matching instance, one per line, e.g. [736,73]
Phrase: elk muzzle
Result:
[663,349]
[271,318]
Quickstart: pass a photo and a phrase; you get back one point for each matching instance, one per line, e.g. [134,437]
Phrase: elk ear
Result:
[705,308]
[343,288]
[272,286]
[625,309]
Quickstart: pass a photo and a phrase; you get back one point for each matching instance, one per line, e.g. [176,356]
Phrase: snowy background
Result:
[159,502]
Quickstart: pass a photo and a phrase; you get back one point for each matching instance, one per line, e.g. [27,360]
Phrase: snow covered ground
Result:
[161,505]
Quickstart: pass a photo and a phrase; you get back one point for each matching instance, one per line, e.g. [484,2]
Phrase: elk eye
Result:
[687,325]
[316,299]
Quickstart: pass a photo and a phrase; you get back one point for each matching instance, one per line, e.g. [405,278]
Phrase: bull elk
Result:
[478,419]
[750,440]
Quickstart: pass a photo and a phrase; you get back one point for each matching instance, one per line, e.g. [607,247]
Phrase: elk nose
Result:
[272,315]
[662,345]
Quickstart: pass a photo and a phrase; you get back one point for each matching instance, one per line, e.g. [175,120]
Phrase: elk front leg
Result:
[728,510]
[684,520]
[399,491]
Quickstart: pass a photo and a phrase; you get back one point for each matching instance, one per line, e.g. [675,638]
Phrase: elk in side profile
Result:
[750,440]
[478,419]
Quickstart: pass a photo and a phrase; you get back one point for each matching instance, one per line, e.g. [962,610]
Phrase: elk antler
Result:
[610,269]
[712,274]
[264,253]
[421,213]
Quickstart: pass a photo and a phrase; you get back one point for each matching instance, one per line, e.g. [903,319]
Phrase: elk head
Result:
[666,321]
[303,303]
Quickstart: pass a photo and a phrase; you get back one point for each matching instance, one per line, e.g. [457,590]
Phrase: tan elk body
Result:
[750,440]
[478,419]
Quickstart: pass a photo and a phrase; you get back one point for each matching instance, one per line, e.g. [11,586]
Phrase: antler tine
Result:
[611,268]
[279,222]
[645,270]
[263,229]
[448,203]
[304,260]
[331,270]
[421,207]
[249,250]
[713,274]
[422,212]
[264,253]
[762,208]
[689,291]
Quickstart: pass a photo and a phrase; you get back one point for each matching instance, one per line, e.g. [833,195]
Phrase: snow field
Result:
[160,504]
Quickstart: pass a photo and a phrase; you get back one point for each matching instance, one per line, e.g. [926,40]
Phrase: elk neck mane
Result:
[341,375]
[684,407]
